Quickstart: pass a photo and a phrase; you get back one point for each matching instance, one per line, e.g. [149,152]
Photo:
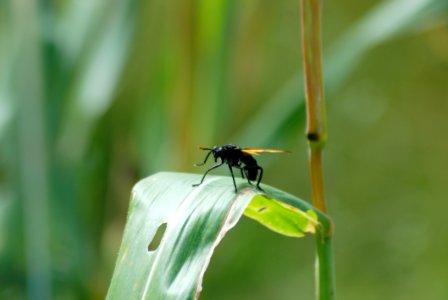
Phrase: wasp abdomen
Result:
[251,173]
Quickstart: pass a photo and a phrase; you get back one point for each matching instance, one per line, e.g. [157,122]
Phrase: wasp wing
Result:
[258,151]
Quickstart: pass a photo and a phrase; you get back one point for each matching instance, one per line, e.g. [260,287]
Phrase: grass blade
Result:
[32,148]
[94,88]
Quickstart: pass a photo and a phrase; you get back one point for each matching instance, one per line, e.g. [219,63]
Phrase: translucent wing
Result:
[258,151]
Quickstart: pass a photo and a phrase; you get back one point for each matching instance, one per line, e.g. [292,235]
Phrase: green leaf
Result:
[280,217]
[194,221]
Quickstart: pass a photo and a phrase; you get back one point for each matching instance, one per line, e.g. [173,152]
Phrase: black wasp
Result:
[236,157]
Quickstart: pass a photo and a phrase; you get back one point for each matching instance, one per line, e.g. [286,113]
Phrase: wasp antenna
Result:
[204,148]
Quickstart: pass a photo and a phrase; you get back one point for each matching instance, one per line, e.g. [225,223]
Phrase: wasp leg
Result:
[206,172]
[233,177]
[250,182]
[205,160]
[259,178]
[242,169]
[260,170]
[246,168]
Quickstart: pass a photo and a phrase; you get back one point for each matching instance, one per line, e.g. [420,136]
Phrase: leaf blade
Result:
[281,218]
[197,220]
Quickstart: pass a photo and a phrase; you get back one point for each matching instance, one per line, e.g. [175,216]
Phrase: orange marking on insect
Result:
[258,151]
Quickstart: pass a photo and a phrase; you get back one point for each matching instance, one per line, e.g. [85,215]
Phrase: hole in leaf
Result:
[155,242]
[262,209]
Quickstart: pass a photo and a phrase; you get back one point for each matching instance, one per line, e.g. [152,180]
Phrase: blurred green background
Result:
[95,95]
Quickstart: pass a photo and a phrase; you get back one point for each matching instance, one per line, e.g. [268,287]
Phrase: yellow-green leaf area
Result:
[280,217]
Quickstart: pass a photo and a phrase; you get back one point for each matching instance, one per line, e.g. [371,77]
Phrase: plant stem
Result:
[316,134]
[317,180]
[314,95]
[324,267]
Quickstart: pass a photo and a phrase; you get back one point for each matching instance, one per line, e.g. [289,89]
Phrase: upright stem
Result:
[316,133]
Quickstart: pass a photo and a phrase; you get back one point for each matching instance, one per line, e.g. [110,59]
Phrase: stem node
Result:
[316,134]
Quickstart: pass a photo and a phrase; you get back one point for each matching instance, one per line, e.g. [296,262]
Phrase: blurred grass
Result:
[95,95]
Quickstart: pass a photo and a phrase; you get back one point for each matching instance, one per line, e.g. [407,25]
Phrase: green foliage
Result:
[95,95]
[196,219]
[280,217]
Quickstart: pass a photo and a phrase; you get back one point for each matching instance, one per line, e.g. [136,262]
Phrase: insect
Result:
[239,158]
